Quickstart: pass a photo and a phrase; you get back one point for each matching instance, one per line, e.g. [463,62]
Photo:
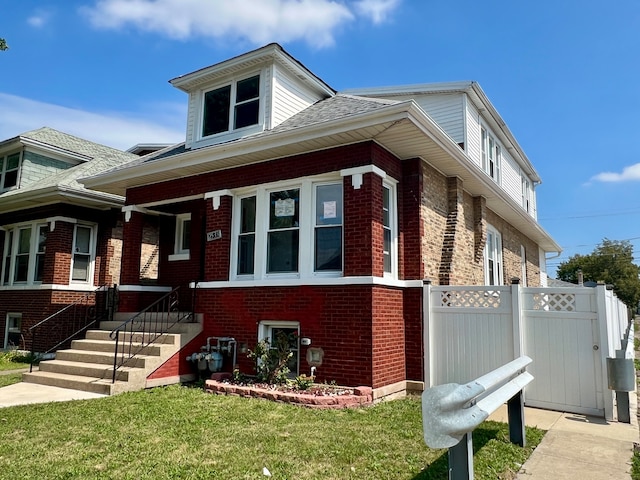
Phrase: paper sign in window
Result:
[330,209]
[285,207]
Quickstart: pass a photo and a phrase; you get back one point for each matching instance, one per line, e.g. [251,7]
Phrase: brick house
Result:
[294,208]
[59,241]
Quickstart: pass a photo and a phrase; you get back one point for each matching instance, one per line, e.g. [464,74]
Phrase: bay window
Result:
[23,259]
[291,231]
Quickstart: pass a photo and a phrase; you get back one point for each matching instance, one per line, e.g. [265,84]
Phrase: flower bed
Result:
[318,396]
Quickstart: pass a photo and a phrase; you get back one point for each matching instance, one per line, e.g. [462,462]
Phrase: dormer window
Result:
[232,106]
[9,166]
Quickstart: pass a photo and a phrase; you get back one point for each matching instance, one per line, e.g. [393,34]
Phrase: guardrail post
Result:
[515,413]
[451,412]
[461,459]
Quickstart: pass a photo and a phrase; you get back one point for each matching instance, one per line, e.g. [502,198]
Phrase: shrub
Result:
[271,361]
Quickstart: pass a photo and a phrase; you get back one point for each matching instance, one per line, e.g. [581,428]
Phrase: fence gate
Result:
[561,334]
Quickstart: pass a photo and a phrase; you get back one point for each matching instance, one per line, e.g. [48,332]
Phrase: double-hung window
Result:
[493,257]
[82,253]
[491,154]
[9,168]
[182,242]
[231,107]
[283,235]
[23,259]
[526,194]
[389,230]
[328,228]
[290,231]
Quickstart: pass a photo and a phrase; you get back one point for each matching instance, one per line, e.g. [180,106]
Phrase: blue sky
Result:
[563,74]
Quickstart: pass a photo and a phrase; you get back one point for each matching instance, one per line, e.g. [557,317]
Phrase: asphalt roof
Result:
[101,158]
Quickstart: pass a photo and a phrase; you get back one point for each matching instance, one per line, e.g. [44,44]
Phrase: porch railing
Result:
[72,321]
[137,333]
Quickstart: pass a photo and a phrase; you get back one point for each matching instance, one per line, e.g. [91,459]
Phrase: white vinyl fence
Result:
[568,332]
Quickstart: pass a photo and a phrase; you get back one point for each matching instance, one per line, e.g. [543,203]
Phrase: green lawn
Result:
[10,379]
[180,432]
[13,360]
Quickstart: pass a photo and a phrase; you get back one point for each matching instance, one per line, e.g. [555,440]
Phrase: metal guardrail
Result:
[451,412]
[70,322]
[621,375]
[145,327]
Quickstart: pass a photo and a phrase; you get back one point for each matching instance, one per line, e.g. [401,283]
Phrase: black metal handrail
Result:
[145,327]
[73,320]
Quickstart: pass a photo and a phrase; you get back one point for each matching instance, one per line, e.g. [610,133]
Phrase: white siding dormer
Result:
[246,95]
[290,96]
[231,109]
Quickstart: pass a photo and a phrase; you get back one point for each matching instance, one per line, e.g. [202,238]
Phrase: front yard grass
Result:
[180,432]
[13,360]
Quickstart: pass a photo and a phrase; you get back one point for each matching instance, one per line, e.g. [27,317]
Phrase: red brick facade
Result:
[371,333]
[36,302]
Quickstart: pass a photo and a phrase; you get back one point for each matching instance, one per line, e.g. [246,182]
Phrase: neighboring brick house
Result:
[59,241]
[295,208]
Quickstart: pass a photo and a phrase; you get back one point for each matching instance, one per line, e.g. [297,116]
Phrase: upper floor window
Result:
[292,231]
[491,154]
[493,257]
[526,194]
[232,106]
[9,168]
[23,259]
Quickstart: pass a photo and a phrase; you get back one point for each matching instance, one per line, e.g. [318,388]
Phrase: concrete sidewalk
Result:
[28,393]
[578,446]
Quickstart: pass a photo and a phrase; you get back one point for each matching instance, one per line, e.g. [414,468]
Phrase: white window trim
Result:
[231,133]
[9,316]
[497,256]
[92,254]
[523,265]
[180,253]
[306,229]
[33,248]
[484,163]
[264,330]
[393,220]
[3,170]
[527,198]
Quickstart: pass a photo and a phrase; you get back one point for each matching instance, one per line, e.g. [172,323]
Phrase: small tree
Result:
[3,44]
[612,263]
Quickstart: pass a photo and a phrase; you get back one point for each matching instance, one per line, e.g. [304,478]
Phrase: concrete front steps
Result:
[88,364]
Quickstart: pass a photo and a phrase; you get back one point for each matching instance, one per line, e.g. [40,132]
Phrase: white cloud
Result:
[39,18]
[116,129]
[630,173]
[377,10]
[258,21]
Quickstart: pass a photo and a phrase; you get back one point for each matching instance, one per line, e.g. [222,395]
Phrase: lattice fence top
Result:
[470,298]
[557,302]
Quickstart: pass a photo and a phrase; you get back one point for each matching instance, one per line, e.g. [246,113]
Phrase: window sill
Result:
[178,256]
